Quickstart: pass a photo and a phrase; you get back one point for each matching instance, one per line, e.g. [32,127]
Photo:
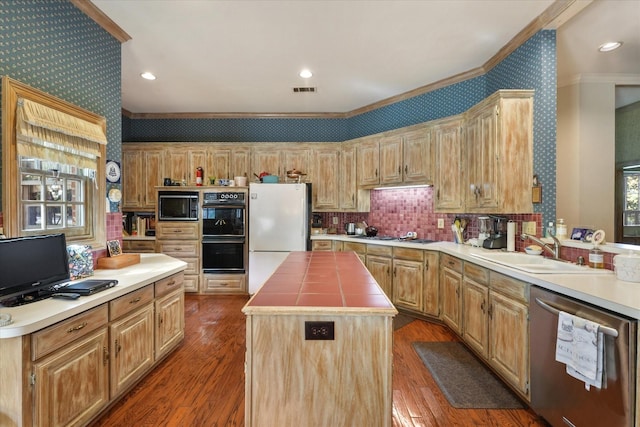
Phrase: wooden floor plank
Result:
[202,382]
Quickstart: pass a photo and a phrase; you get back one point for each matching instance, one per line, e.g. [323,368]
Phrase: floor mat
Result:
[463,379]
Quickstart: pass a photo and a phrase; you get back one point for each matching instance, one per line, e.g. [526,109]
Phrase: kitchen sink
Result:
[537,264]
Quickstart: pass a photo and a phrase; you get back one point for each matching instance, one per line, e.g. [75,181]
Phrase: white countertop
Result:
[31,317]
[603,290]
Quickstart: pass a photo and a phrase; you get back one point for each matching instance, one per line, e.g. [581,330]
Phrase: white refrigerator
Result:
[279,221]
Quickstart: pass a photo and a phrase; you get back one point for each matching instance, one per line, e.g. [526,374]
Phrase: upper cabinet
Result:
[326,178]
[391,160]
[142,171]
[448,180]
[418,153]
[368,162]
[499,154]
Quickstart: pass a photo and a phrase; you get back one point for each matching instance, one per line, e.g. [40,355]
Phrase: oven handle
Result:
[222,205]
[604,329]
[205,240]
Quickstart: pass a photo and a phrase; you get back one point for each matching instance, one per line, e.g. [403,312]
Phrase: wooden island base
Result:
[319,345]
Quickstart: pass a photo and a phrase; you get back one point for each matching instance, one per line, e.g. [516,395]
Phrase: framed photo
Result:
[113,246]
[536,194]
[582,234]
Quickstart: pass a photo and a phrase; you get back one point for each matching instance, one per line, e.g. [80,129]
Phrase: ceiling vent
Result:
[305,89]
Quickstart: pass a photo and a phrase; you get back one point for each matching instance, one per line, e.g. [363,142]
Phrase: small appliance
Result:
[498,237]
[350,228]
[178,205]
[484,226]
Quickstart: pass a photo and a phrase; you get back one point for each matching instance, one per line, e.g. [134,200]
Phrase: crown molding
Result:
[92,11]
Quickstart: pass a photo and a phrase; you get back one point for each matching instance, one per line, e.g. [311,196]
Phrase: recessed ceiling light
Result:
[147,75]
[608,47]
[305,74]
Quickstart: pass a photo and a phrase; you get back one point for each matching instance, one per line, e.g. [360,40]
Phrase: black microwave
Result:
[177,206]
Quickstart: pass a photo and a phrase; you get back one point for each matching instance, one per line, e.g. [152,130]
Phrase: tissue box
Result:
[80,261]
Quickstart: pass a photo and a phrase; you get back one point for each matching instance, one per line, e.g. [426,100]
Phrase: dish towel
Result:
[580,346]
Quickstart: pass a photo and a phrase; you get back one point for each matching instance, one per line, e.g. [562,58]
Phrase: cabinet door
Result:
[72,384]
[368,161]
[152,176]
[380,269]
[169,322]
[131,183]
[131,348]
[220,166]
[407,284]
[348,184]
[196,158]
[482,157]
[267,160]
[448,158]
[431,284]
[391,160]
[451,303]
[240,163]
[177,164]
[509,340]
[295,159]
[418,152]
[326,177]
[475,300]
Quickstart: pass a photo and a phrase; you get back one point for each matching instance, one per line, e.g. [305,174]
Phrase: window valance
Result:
[47,133]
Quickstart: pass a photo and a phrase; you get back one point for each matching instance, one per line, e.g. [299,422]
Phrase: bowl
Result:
[533,250]
[270,179]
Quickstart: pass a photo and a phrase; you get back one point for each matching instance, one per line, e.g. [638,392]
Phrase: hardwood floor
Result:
[202,382]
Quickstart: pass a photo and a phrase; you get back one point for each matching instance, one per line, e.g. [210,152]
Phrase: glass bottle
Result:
[561,230]
[550,230]
[596,257]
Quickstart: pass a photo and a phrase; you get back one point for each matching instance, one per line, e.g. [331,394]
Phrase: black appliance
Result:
[32,267]
[224,232]
[178,205]
[498,237]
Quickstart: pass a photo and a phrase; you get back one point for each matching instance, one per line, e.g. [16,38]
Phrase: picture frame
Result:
[581,233]
[536,194]
[113,247]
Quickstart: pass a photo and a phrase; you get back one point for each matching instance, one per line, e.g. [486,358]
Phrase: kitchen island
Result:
[319,345]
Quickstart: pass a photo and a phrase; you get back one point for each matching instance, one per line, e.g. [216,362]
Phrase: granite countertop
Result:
[602,289]
[31,317]
[322,282]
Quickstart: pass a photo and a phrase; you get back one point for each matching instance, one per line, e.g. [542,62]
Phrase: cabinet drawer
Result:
[191,283]
[216,284]
[179,248]
[359,248]
[143,246]
[408,254]
[379,250]
[177,230]
[452,263]
[476,273]
[168,284]
[130,302]
[56,336]
[322,245]
[509,287]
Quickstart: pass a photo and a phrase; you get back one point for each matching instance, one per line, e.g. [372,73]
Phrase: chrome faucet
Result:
[554,250]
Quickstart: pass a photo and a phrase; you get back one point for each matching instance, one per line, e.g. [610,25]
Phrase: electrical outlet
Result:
[319,331]
[335,220]
[529,227]
[440,222]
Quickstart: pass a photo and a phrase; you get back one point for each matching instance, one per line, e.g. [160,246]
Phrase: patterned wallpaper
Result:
[52,46]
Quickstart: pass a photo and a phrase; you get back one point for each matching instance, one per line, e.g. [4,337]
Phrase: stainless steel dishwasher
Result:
[563,400]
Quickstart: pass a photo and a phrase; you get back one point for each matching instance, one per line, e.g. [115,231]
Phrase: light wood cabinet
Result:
[348,185]
[219,165]
[224,284]
[72,384]
[448,180]
[419,156]
[451,292]
[326,178]
[296,158]
[240,163]
[368,162]
[322,245]
[431,284]
[475,297]
[391,160]
[379,262]
[182,240]
[142,171]
[408,272]
[138,246]
[169,323]
[499,153]
[267,159]
[359,248]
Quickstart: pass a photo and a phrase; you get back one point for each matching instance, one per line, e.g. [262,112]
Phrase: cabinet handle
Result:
[490,311]
[426,265]
[76,328]
[457,292]
[105,355]
[135,300]
[482,306]
[406,169]
[376,173]
[160,319]
[118,348]
[171,283]
[399,170]
[394,272]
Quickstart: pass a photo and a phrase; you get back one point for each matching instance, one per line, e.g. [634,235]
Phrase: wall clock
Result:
[113,171]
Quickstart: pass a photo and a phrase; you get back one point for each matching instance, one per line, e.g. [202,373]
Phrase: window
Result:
[631,197]
[54,197]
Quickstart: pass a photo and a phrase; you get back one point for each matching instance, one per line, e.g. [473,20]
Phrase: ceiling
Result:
[229,56]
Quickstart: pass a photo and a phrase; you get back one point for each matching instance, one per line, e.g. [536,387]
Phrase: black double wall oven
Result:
[223,232]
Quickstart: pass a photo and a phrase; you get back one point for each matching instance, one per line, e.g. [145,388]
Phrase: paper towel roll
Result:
[511,236]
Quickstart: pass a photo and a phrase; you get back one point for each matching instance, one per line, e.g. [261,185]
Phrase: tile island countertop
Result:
[323,282]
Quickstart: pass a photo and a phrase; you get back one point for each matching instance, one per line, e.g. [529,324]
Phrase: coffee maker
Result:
[498,236]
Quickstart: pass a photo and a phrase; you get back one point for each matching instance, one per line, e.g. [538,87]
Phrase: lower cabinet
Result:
[408,271]
[451,292]
[475,297]
[82,364]
[380,269]
[224,284]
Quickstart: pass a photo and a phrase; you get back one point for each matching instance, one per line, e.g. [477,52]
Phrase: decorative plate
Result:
[113,171]
[115,195]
